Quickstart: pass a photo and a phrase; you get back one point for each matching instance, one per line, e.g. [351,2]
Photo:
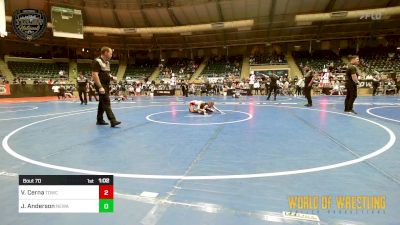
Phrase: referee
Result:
[351,84]
[102,77]
[273,86]
[308,82]
[82,87]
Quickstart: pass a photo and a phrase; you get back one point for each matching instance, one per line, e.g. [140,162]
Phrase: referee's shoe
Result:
[351,112]
[115,123]
[102,122]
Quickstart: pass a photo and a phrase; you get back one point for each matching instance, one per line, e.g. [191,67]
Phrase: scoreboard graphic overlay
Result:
[66,194]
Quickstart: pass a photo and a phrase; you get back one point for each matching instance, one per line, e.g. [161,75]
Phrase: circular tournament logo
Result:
[29,24]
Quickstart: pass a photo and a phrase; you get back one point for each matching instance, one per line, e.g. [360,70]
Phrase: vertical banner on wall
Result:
[5,89]
[3,31]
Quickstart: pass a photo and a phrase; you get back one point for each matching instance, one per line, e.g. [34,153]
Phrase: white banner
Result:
[3,31]
[215,79]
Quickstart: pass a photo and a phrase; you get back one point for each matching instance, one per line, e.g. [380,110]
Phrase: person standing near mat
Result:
[308,82]
[397,85]
[252,79]
[83,85]
[102,77]
[351,84]
[184,87]
[375,84]
[92,91]
[273,86]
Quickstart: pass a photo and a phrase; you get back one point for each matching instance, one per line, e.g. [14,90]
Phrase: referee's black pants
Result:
[374,88]
[351,96]
[184,92]
[307,94]
[91,94]
[273,88]
[105,106]
[82,93]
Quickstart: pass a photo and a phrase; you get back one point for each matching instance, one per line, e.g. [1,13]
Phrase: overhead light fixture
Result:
[339,14]
[130,30]
[354,14]
[218,25]
[161,30]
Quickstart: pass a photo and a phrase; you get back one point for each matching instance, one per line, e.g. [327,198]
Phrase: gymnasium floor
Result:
[235,168]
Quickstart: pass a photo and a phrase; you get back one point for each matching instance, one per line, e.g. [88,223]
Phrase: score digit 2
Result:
[106,192]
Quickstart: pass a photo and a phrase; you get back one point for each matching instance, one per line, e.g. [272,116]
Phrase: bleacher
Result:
[141,69]
[318,60]
[263,59]
[220,66]
[36,70]
[380,59]
[86,68]
[381,63]
[183,68]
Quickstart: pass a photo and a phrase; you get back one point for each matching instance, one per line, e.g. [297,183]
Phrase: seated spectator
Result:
[336,88]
